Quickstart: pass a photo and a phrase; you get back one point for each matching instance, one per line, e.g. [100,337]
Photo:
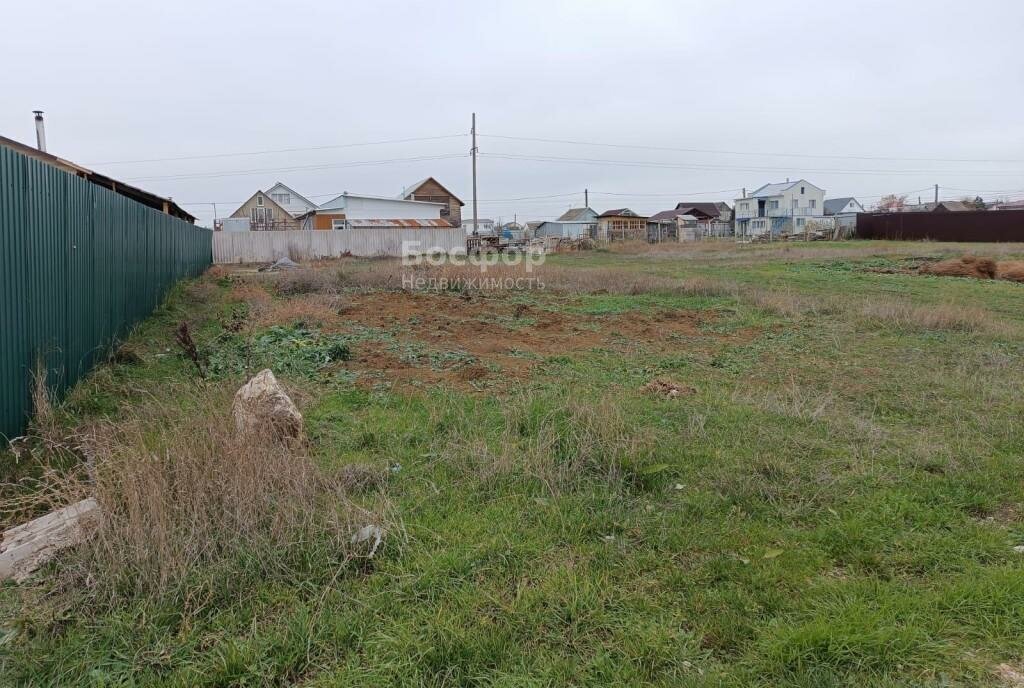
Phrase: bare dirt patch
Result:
[496,338]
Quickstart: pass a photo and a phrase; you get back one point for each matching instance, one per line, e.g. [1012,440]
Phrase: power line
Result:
[279,150]
[240,173]
[667,193]
[744,153]
[697,166]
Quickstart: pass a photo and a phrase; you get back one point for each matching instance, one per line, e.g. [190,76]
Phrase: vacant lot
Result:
[686,466]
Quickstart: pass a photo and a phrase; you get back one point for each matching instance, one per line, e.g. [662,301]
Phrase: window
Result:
[801,190]
[337,224]
[773,205]
[813,203]
[259,200]
[282,198]
[799,222]
[796,204]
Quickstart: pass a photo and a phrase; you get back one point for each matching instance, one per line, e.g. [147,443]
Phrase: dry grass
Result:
[182,495]
[790,304]
[903,315]
[964,266]
[1011,270]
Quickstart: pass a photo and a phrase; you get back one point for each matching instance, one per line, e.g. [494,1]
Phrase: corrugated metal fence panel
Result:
[971,225]
[264,247]
[79,265]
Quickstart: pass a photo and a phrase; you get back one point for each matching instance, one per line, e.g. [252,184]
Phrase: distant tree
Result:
[978,203]
[891,203]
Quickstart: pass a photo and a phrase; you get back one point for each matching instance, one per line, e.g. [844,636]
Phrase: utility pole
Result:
[473,152]
[586,198]
[936,193]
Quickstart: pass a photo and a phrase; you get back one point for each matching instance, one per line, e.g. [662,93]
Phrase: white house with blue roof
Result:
[786,207]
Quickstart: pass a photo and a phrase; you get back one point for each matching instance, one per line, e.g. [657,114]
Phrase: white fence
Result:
[264,247]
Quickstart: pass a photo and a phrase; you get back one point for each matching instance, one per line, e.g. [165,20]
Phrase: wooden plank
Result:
[27,547]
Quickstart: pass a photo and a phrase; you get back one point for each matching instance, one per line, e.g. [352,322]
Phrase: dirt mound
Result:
[1012,270]
[964,266]
[667,388]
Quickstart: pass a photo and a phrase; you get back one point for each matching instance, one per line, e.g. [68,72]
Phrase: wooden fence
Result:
[264,247]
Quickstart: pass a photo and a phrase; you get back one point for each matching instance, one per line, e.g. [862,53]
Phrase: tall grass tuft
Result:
[185,499]
[564,443]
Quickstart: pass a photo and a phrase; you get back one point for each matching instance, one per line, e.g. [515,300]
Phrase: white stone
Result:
[261,404]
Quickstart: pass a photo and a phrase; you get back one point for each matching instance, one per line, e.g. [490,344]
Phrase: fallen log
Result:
[26,547]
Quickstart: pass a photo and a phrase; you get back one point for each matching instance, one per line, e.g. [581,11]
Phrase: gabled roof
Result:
[133,192]
[835,205]
[576,215]
[619,212]
[293,192]
[777,189]
[709,209]
[410,190]
[268,202]
[668,215]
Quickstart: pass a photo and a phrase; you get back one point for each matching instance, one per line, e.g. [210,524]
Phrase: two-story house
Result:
[431,191]
[780,208]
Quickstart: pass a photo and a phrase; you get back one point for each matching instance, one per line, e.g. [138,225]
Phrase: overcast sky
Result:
[874,97]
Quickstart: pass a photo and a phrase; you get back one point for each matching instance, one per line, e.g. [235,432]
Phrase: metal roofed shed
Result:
[164,205]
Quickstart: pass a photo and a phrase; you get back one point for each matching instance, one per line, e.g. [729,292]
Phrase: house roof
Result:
[133,192]
[954,206]
[293,192]
[346,194]
[776,189]
[709,209]
[619,212]
[832,206]
[669,215]
[575,215]
[413,224]
[409,190]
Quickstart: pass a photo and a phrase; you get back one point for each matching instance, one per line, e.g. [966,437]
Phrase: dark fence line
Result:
[971,225]
[79,265]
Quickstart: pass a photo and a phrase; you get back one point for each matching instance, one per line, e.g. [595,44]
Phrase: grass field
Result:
[831,496]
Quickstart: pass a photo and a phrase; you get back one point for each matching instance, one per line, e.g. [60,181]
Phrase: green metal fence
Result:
[79,265]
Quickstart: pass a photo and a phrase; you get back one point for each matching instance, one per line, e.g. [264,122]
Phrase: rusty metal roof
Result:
[406,224]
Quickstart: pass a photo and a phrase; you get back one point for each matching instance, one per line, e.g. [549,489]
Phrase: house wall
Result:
[297,206]
[433,192]
[282,219]
[744,208]
[621,227]
[566,230]
[812,194]
[325,220]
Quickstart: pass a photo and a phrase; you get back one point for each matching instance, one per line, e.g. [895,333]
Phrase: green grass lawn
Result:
[833,500]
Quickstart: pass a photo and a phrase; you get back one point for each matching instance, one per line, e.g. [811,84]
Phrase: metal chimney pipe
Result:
[40,130]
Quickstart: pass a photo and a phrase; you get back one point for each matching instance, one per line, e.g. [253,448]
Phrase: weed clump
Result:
[296,350]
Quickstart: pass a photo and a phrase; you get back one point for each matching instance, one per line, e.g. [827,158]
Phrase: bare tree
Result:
[891,203]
